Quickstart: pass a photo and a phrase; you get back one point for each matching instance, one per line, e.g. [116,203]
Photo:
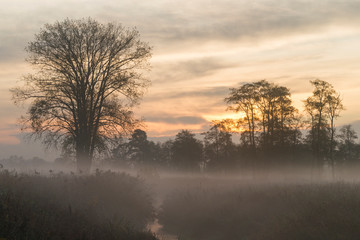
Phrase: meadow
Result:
[183,206]
[231,209]
[104,205]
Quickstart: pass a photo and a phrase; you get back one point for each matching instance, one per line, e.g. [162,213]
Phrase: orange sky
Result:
[201,49]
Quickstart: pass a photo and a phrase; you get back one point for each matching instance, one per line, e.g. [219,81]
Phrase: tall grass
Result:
[264,212]
[101,206]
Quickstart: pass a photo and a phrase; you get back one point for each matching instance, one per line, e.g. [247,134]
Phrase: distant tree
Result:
[323,106]
[138,146]
[295,135]
[219,149]
[140,149]
[276,114]
[187,151]
[348,149]
[166,158]
[88,77]
[243,100]
[332,109]
[265,104]
[137,151]
[119,154]
[267,117]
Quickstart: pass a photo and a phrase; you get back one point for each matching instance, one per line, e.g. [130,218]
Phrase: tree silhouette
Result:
[348,149]
[268,118]
[187,151]
[324,105]
[219,149]
[243,100]
[140,149]
[333,108]
[276,112]
[88,77]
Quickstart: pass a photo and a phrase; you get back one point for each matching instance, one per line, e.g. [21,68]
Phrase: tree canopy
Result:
[323,107]
[88,76]
[267,115]
[187,151]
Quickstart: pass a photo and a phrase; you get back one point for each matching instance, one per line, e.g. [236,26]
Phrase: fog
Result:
[256,204]
[260,203]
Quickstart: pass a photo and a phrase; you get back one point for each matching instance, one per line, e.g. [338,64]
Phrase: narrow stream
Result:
[156,227]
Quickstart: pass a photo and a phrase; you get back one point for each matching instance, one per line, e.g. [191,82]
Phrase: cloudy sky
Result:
[201,49]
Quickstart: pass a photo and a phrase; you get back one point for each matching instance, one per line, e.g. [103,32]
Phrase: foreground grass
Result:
[102,206]
[264,212]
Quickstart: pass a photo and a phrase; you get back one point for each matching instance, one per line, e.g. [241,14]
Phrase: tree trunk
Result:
[332,148]
[83,158]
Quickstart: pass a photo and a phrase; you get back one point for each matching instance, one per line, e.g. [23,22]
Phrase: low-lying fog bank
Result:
[288,203]
[263,211]
[260,205]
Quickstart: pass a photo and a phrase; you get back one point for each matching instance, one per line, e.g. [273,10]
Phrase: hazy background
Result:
[201,49]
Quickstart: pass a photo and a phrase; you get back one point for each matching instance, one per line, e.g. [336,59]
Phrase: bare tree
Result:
[323,106]
[88,77]
[348,149]
[243,100]
[266,108]
[219,149]
[333,108]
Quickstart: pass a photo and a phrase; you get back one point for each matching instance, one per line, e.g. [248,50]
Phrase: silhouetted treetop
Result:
[88,76]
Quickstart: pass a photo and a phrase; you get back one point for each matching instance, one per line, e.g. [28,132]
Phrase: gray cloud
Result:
[187,70]
[212,92]
[170,134]
[168,24]
[177,120]
[207,20]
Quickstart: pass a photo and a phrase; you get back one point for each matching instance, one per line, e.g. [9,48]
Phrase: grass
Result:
[58,206]
[109,205]
[265,211]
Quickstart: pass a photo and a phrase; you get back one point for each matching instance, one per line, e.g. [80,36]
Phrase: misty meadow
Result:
[220,121]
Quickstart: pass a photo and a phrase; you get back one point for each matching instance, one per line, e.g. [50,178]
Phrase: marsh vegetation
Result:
[223,208]
[109,205]
[105,205]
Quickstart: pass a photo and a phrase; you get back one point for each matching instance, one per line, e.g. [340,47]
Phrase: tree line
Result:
[271,132]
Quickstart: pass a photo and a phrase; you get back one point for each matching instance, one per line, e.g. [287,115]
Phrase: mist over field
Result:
[192,120]
[42,200]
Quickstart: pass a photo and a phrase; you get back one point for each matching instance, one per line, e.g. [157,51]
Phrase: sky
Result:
[201,48]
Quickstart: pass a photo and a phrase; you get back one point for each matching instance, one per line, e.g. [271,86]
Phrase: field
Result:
[259,208]
[264,211]
[108,205]
[64,206]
